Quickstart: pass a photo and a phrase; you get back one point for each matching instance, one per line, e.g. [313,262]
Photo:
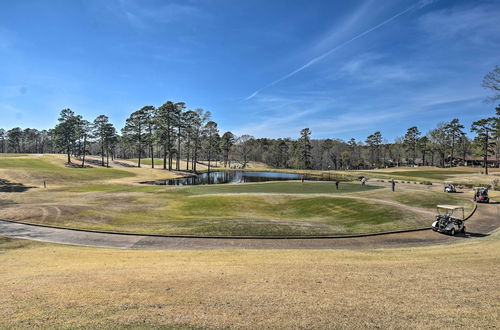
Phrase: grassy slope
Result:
[459,175]
[37,170]
[100,198]
[453,286]
[2,155]
[425,174]
[426,199]
[233,215]
[280,188]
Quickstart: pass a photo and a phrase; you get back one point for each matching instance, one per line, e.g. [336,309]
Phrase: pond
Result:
[234,177]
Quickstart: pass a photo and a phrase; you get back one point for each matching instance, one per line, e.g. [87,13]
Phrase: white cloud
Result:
[478,24]
[141,14]
[339,30]
[376,68]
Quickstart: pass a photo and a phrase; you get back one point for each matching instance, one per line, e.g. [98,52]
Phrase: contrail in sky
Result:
[418,5]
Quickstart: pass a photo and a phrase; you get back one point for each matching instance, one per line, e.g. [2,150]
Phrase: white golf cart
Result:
[450,219]
[450,187]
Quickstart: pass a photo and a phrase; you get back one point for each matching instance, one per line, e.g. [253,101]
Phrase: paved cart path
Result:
[484,221]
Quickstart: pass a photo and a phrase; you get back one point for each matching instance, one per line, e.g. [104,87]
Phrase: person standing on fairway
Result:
[363,181]
[393,184]
[337,184]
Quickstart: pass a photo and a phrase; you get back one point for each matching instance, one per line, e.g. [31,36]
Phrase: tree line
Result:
[173,133]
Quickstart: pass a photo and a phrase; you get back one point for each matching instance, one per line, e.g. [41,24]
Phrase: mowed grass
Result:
[29,170]
[426,199]
[441,174]
[7,155]
[55,286]
[240,215]
[115,188]
[281,188]
[431,173]
[430,200]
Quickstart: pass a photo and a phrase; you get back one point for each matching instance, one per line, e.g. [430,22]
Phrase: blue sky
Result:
[267,68]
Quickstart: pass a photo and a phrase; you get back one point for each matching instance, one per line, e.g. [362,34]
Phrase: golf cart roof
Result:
[450,207]
[477,188]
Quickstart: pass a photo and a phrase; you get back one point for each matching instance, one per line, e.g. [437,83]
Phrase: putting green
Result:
[176,212]
[280,188]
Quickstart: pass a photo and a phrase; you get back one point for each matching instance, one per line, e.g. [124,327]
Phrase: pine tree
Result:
[305,147]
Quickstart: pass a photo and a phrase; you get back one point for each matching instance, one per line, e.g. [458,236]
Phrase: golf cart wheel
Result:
[463,230]
[452,232]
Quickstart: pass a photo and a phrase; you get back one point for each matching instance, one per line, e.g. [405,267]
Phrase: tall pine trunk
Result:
[102,153]
[486,153]
[165,157]
[178,158]
[152,156]
[209,156]
[139,162]
[187,155]
[84,147]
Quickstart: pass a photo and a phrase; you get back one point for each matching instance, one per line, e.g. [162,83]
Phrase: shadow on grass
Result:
[473,235]
[9,187]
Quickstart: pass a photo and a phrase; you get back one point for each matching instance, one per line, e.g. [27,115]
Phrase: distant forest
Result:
[173,133]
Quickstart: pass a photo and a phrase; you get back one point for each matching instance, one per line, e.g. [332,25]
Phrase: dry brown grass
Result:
[435,287]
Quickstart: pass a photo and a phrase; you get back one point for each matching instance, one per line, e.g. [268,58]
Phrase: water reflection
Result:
[234,177]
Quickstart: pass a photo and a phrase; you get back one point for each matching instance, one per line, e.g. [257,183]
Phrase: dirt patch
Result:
[75,165]
[40,213]
[123,164]
[96,162]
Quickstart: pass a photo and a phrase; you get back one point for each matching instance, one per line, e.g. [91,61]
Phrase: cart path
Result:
[485,220]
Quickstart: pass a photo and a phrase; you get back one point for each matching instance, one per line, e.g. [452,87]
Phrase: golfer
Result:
[337,184]
[363,181]
[393,184]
